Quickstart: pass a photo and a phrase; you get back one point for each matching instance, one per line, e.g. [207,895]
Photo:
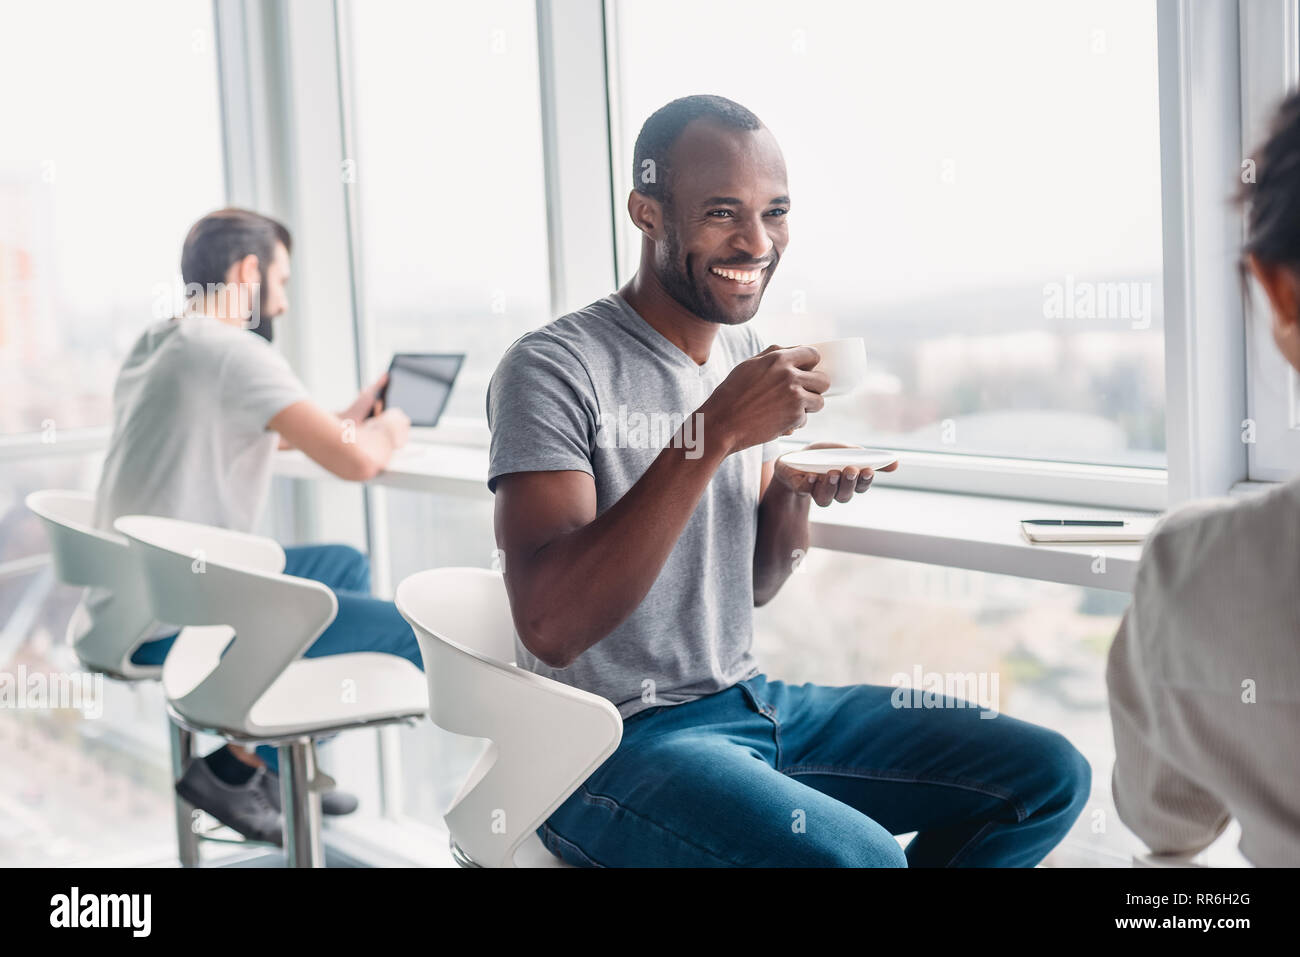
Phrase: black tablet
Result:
[419,383]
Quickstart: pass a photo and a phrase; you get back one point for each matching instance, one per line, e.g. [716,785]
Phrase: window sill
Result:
[975,532]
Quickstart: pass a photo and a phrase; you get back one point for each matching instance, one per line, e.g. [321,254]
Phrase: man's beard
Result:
[693,295]
[261,323]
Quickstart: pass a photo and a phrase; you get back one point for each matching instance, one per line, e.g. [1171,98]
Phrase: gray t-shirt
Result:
[190,411]
[601,391]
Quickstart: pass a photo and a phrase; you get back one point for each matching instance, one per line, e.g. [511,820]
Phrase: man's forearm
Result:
[582,585]
[377,444]
[783,538]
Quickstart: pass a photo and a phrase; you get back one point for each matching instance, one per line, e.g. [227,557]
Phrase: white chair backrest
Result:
[86,557]
[198,575]
[547,737]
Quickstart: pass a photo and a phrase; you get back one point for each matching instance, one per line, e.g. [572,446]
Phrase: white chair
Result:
[259,689]
[85,557]
[546,737]
[1147,859]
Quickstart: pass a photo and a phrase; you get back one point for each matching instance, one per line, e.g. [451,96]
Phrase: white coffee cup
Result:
[844,361]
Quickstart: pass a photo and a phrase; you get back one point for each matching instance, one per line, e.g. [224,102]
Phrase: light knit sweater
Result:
[1204,680]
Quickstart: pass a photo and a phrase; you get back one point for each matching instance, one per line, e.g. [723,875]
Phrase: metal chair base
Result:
[459,856]
[301,784]
[187,840]
[300,787]
[299,793]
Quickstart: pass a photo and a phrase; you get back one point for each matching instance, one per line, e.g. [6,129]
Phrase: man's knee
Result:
[1077,776]
[352,565]
[1066,775]
[849,839]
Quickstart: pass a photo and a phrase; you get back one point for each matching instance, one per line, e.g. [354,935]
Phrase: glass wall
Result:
[453,246]
[76,784]
[442,531]
[976,191]
[448,169]
[102,170]
[111,149]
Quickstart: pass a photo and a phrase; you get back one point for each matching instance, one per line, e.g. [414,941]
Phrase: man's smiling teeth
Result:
[737,275]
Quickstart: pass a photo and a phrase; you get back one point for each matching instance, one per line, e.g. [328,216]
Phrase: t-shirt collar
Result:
[637,326]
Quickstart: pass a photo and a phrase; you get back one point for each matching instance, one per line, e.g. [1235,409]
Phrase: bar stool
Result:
[258,689]
[547,737]
[86,557]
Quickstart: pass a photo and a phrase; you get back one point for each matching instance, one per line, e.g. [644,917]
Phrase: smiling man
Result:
[633,567]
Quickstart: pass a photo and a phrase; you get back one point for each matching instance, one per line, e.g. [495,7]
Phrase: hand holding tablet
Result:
[419,383]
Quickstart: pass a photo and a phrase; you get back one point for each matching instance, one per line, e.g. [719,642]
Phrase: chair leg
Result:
[187,842]
[460,857]
[301,803]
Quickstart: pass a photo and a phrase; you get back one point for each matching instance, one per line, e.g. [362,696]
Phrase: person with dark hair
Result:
[199,408]
[650,153]
[225,237]
[1204,668]
[634,559]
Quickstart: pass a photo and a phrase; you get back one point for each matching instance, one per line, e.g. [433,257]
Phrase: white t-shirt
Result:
[190,441]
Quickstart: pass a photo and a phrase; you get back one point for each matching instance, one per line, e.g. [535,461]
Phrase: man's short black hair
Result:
[222,238]
[650,155]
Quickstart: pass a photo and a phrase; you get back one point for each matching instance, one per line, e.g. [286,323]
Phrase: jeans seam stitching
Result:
[560,838]
[903,777]
[768,711]
[667,830]
[967,846]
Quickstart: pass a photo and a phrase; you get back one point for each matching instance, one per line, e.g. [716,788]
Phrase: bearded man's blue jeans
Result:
[363,622]
[770,774]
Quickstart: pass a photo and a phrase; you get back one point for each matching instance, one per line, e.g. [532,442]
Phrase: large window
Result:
[449,172]
[976,191]
[110,147]
[453,248]
[1270,50]
[76,785]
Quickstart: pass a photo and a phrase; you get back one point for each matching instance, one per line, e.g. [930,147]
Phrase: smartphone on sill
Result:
[1046,531]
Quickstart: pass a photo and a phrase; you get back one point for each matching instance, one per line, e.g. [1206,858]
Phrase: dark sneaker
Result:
[333,802]
[241,807]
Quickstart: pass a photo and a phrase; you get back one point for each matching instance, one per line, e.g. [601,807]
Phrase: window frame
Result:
[1247,52]
[1270,48]
[36,444]
[279,66]
[1263,56]
[1197,46]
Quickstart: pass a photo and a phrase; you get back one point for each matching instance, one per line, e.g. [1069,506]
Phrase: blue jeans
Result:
[363,623]
[770,774]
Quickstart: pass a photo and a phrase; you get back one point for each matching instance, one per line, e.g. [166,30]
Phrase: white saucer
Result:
[822,461]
